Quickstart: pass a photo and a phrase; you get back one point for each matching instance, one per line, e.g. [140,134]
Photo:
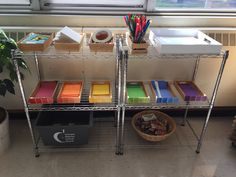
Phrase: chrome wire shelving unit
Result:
[152,55]
[122,56]
[84,105]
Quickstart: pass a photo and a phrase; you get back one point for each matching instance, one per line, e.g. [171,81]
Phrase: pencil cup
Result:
[137,47]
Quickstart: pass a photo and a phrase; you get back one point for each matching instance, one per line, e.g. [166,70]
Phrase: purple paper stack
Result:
[189,91]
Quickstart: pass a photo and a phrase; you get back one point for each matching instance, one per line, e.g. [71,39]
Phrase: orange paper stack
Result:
[70,92]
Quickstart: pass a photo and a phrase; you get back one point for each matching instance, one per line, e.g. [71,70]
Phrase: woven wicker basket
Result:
[154,138]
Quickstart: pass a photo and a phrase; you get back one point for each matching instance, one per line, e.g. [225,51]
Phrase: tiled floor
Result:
[174,157]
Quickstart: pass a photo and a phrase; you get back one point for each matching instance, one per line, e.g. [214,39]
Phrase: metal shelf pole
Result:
[217,83]
[14,58]
[118,89]
[193,79]
[37,66]
[125,67]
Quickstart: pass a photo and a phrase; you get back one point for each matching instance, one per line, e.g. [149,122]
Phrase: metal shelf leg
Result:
[25,104]
[226,54]
[183,123]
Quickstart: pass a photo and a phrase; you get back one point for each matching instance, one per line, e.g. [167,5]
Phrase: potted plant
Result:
[7,82]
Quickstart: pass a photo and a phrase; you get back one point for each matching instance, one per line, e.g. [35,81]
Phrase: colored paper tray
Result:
[189,91]
[136,93]
[43,93]
[33,45]
[163,92]
[70,92]
[100,92]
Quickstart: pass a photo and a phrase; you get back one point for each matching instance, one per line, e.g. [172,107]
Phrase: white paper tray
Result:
[183,41]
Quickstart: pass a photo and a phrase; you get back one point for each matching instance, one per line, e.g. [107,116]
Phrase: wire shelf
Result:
[84,104]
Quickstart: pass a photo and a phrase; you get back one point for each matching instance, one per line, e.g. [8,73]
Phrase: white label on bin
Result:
[62,137]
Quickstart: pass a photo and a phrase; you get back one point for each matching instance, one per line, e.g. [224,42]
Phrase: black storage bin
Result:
[64,128]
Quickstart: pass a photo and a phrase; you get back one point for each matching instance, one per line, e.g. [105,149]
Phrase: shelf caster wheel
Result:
[233,144]
[197,151]
[117,153]
[182,124]
[121,153]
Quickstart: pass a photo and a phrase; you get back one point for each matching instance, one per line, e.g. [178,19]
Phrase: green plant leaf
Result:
[13,76]
[8,82]
[9,86]
[13,43]
[3,89]
[1,68]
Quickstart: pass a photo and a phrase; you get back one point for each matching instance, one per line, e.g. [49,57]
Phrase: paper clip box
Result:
[35,42]
[44,93]
[189,91]
[70,92]
[163,92]
[100,92]
[136,93]
[67,45]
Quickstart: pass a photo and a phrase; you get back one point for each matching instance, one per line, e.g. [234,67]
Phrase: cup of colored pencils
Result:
[138,25]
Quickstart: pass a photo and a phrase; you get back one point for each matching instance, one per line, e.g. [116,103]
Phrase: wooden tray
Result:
[189,91]
[136,93]
[101,47]
[68,46]
[163,92]
[137,47]
[35,47]
[70,92]
[43,93]
[100,92]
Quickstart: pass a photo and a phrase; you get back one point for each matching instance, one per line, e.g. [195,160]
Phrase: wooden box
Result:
[44,93]
[163,92]
[70,92]
[101,47]
[34,46]
[189,91]
[136,93]
[100,92]
[137,47]
[68,45]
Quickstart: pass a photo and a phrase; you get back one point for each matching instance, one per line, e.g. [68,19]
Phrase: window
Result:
[86,4]
[14,2]
[196,4]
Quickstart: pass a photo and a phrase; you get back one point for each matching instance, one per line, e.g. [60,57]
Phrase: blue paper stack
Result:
[163,92]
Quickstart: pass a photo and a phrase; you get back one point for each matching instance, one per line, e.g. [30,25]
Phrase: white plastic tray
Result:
[183,41]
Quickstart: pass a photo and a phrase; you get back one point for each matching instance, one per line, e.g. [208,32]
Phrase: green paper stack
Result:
[136,93]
